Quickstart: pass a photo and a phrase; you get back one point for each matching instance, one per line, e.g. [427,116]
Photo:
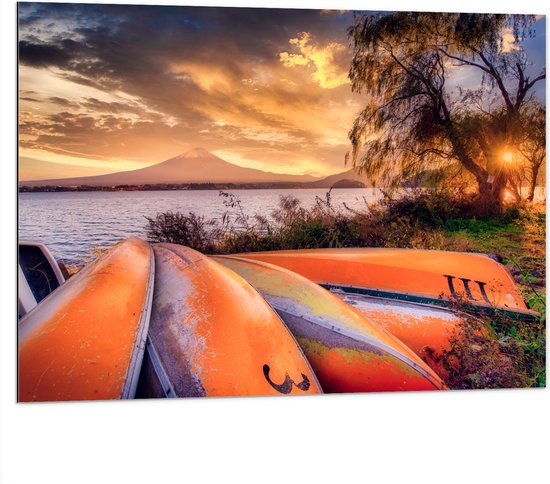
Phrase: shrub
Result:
[417,219]
[496,352]
[190,230]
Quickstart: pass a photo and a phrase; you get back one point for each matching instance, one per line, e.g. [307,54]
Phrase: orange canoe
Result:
[428,277]
[347,351]
[212,334]
[85,341]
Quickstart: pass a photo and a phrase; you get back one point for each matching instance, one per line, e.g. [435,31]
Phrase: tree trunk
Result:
[515,190]
[533,183]
[499,188]
[466,160]
[491,195]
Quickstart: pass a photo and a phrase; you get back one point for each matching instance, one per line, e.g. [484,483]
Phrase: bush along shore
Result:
[489,352]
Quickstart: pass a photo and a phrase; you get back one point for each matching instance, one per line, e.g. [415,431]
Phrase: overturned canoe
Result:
[86,340]
[423,276]
[212,334]
[347,351]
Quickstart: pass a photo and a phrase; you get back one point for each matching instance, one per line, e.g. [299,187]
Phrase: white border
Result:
[460,437]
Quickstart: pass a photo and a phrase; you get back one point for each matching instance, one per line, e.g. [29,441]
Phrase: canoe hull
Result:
[433,277]
[345,364]
[86,340]
[212,334]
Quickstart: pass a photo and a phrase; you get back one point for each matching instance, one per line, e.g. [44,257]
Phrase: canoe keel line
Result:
[470,305]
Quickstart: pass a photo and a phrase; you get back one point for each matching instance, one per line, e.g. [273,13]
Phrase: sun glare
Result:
[508,156]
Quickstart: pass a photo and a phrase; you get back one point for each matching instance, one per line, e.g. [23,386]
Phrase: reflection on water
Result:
[73,223]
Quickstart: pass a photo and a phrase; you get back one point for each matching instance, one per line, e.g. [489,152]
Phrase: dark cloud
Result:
[118,41]
[43,55]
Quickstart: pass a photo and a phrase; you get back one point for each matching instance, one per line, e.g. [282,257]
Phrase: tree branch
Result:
[464,61]
[534,81]
[496,76]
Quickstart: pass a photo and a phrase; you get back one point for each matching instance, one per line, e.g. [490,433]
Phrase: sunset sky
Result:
[105,88]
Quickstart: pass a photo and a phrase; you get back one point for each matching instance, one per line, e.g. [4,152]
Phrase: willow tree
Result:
[412,121]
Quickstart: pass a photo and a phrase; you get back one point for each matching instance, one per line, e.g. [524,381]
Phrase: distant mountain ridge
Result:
[197,166]
[332,180]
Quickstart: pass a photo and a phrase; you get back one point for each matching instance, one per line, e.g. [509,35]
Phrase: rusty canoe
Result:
[348,352]
[85,341]
[212,334]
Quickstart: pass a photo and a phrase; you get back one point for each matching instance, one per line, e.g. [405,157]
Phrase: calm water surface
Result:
[73,223]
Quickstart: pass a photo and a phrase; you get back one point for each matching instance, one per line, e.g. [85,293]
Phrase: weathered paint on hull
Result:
[212,334]
[406,274]
[86,340]
[346,350]
[426,330]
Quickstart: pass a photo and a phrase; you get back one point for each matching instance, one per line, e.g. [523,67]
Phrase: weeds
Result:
[190,230]
[477,360]
[496,352]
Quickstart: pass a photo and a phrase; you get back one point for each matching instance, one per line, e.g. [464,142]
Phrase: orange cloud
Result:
[326,71]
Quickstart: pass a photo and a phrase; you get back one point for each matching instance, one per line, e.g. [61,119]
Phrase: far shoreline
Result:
[182,187]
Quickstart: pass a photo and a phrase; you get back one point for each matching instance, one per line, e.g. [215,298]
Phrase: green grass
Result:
[520,245]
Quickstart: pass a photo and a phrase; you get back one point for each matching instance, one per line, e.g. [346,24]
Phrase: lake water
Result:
[73,223]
